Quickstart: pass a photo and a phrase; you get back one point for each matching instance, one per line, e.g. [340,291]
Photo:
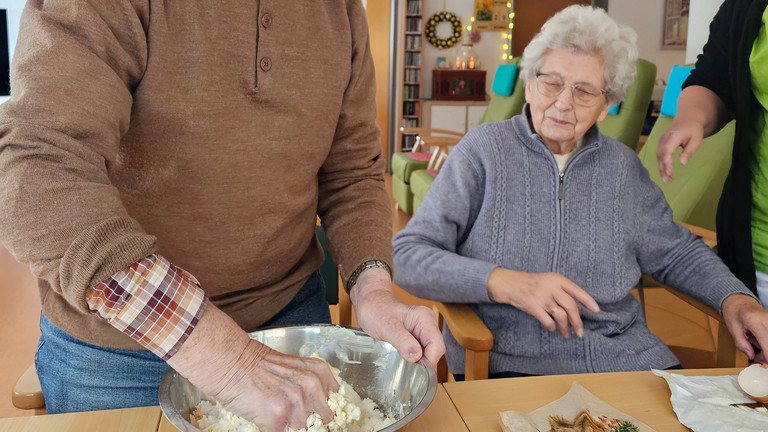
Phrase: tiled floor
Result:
[671,319]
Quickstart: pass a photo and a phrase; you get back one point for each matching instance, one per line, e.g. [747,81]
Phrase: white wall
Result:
[647,17]
[702,12]
[488,49]
[13,13]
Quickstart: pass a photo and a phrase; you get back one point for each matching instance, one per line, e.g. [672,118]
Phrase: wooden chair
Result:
[27,393]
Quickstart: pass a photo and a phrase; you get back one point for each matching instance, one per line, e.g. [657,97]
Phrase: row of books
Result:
[409,140]
[412,108]
[413,24]
[411,75]
[414,7]
[411,91]
[413,41]
[413,59]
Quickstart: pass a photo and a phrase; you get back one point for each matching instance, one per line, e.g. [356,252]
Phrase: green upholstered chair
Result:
[502,107]
[404,164]
[695,192]
[627,124]
[693,196]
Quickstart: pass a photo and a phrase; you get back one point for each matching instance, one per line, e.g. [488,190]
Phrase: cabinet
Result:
[409,104]
[458,116]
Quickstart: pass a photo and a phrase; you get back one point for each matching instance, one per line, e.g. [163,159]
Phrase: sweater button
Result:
[266,20]
[265,64]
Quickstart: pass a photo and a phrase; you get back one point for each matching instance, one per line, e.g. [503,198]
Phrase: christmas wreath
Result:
[431,34]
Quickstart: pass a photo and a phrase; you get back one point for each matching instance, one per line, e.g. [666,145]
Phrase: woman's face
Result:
[562,119]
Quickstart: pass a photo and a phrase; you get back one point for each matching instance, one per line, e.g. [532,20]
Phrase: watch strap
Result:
[365,266]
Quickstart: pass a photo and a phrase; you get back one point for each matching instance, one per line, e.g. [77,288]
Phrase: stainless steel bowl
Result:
[374,369]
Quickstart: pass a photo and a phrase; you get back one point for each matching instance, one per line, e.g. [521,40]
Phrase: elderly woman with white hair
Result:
[542,223]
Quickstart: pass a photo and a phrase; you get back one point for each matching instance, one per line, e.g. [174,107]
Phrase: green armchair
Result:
[627,124]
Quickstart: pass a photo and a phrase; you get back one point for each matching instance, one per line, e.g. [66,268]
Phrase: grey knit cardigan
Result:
[500,201]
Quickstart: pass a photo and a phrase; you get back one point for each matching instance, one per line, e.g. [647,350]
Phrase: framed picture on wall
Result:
[675,24]
[492,15]
[442,63]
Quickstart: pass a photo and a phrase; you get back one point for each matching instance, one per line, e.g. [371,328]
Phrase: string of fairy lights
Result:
[506,36]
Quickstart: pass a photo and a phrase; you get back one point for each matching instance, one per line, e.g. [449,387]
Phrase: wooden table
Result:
[641,395]
[441,416]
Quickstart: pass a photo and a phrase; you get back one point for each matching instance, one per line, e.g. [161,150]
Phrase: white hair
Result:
[589,31]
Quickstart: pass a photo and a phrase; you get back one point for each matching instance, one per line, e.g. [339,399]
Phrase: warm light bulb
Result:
[509,36]
[504,56]
[506,46]
[509,5]
[512,15]
[511,25]
[472,19]
[469,28]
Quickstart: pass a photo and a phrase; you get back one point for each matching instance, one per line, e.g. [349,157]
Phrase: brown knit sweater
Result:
[209,132]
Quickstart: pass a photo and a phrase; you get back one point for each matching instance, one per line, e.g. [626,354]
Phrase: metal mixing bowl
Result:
[374,369]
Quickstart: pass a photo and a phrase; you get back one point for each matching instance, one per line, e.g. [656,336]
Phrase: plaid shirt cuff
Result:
[154,302]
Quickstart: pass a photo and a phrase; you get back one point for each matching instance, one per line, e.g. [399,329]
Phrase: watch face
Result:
[462,87]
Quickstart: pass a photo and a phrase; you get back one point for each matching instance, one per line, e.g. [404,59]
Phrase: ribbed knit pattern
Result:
[611,225]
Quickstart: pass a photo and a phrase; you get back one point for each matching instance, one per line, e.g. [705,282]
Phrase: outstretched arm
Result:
[700,113]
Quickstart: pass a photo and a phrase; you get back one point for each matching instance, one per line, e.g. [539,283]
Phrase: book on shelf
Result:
[414,7]
[411,76]
[413,24]
[413,59]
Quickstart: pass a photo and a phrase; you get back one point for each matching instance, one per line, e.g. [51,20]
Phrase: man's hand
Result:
[548,297]
[412,330]
[748,323]
[264,386]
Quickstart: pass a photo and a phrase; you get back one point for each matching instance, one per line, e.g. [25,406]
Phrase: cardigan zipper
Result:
[559,203]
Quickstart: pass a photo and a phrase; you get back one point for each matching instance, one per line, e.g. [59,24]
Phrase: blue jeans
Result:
[77,376]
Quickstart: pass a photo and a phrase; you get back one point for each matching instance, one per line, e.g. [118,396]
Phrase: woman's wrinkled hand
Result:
[549,297]
[748,323]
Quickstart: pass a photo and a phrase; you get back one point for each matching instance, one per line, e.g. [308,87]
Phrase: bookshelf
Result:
[411,72]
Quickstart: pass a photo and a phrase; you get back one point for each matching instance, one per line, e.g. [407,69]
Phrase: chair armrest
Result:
[727,355]
[471,333]
[27,393]
[442,142]
[425,132]
[709,237]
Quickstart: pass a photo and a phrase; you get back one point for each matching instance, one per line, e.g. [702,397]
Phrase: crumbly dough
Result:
[352,414]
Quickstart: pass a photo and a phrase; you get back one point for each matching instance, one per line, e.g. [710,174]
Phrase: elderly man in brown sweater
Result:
[146,142]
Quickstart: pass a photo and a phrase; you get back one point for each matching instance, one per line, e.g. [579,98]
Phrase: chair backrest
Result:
[627,124]
[695,192]
[502,107]
[329,270]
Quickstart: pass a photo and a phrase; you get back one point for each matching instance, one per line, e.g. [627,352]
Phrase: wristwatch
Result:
[365,266]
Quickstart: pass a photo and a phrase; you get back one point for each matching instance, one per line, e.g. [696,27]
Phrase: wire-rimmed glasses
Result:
[585,95]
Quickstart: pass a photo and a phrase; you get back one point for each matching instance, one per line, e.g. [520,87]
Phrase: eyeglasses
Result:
[585,95]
